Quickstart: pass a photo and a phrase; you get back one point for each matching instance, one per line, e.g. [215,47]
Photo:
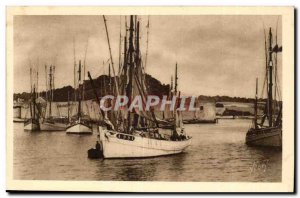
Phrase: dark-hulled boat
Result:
[268,133]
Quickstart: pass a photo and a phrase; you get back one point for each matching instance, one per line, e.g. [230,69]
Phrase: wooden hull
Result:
[120,145]
[31,125]
[49,126]
[268,137]
[79,128]
[196,121]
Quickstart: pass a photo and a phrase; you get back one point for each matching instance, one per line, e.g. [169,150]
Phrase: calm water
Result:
[218,153]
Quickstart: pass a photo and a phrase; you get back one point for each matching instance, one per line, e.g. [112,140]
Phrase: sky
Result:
[216,55]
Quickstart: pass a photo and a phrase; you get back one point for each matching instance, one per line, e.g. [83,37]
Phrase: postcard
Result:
[150,99]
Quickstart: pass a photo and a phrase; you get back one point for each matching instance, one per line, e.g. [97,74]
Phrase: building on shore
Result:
[205,113]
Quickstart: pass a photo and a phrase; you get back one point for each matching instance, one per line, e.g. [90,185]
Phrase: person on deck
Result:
[97,146]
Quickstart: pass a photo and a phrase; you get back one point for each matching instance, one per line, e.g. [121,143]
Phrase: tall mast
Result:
[148,26]
[84,65]
[37,76]
[137,53]
[270,99]
[37,83]
[33,102]
[74,53]
[31,92]
[30,79]
[46,77]
[125,57]
[130,53]
[53,85]
[79,90]
[51,93]
[69,106]
[176,79]
[137,41]
[255,105]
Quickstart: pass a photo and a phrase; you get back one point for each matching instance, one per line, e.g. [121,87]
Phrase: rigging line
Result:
[266,63]
[143,101]
[147,42]
[111,59]
[139,86]
[278,87]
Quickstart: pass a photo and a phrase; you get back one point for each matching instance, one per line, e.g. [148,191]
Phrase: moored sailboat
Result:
[136,134]
[32,124]
[268,134]
[48,122]
[79,126]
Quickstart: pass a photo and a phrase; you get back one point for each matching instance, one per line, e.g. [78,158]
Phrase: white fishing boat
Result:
[137,145]
[268,134]
[48,122]
[79,126]
[136,134]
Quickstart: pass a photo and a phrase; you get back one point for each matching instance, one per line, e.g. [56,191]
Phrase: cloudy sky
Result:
[216,55]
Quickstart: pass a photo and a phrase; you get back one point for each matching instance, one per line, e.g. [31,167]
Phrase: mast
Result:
[255,105]
[137,41]
[69,106]
[125,59]
[33,102]
[37,78]
[51,93]
[103,82]
[148,26]
[74,69]
[83,84]
[130,53]
[270,97]
[37,83]
[79,90]
[30,79]
[31,91]
[125,52]
[176,79]
[53,85]
[46,76]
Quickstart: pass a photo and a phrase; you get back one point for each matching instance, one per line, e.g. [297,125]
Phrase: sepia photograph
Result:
[193,96]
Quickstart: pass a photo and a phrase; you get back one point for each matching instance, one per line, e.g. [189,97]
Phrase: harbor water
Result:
[218,153]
